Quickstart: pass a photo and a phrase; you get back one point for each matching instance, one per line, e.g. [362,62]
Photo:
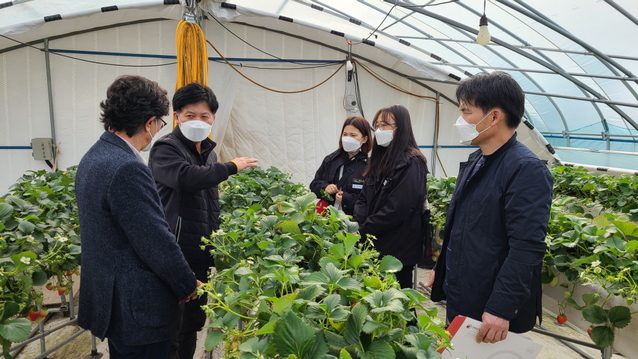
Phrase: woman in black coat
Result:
[390,206]
[341,173]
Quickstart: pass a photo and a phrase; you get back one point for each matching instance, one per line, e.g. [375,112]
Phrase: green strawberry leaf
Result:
[390,264]
[268,328]
[294,337]
[15,330]
[379,349]
[5,211]
[602,336]
[10,309]
[619,316]
[595,314]
[354,324]
[213,338]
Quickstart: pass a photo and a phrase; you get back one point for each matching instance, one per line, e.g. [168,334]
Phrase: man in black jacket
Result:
[184,165]
[494,242]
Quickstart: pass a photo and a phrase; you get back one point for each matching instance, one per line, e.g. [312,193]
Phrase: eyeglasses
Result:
[384,126]
[163,122]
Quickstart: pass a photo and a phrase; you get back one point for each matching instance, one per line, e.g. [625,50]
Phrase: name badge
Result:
[357,186]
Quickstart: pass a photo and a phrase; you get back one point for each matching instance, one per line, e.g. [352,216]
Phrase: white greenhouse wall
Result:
[293,132]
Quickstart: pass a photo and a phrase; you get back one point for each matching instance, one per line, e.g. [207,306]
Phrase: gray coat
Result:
[133,272]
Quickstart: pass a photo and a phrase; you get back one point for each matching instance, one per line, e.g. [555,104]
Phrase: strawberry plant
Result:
[439,191]
[297,284]
[39,242]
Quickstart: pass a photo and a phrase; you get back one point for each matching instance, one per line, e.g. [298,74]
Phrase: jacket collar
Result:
[118,141]
[491,158]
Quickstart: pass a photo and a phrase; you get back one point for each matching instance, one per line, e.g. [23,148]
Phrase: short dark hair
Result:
[403,146]
[130,102]
[496,89]
[363,126]
[194,93]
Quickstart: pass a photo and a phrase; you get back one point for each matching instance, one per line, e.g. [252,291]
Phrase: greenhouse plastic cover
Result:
[571,57]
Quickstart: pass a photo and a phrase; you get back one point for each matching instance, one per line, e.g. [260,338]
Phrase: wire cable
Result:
[242,65]
[357,91]
[384,18]
[83,60]
[388,83]
[393,86]
[268,88]
[258,49]
[437,4]
[52,52]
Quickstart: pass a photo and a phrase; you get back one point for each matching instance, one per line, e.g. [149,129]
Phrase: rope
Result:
[268,88]
[192,58]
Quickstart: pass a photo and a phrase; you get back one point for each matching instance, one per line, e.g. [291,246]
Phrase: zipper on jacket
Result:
[178,228]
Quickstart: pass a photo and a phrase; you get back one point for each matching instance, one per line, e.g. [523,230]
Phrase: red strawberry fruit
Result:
[33,316]
[589,331]
[49,286]
[561,319]
[61,289]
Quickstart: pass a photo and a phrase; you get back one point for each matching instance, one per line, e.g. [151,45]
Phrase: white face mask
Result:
[153,138]
[350,144]
[384,137]
[467,131]
[195,130]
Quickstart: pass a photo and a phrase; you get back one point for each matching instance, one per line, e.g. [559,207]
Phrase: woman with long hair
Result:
[339,179]
[390,206]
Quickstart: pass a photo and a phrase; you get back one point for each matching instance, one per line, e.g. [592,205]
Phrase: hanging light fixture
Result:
[483,37]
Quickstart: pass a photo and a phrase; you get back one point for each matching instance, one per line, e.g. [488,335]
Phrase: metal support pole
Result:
[43,343]
[71,304]
[47,61]
[33,339]
[94,353]
[435,141]
[64,305]
[606,351]
[62,343]
[571,346]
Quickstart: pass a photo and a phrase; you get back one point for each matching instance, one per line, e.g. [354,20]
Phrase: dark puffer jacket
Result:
[351,182]
[391,209]
[187,184]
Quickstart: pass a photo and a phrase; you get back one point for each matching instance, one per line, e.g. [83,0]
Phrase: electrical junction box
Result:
[42,149]
[351,102]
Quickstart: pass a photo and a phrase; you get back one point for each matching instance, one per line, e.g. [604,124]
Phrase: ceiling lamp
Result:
[483,37]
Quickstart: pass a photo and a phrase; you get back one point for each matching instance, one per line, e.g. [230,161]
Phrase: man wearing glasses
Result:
[133,273]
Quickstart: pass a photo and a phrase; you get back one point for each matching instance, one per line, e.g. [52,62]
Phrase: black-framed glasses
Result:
[163,122]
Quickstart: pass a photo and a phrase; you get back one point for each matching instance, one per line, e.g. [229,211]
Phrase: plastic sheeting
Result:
[292,45]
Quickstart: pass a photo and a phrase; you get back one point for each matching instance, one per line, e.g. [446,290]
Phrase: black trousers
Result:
[119,350]
[192,319]
[405,276]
